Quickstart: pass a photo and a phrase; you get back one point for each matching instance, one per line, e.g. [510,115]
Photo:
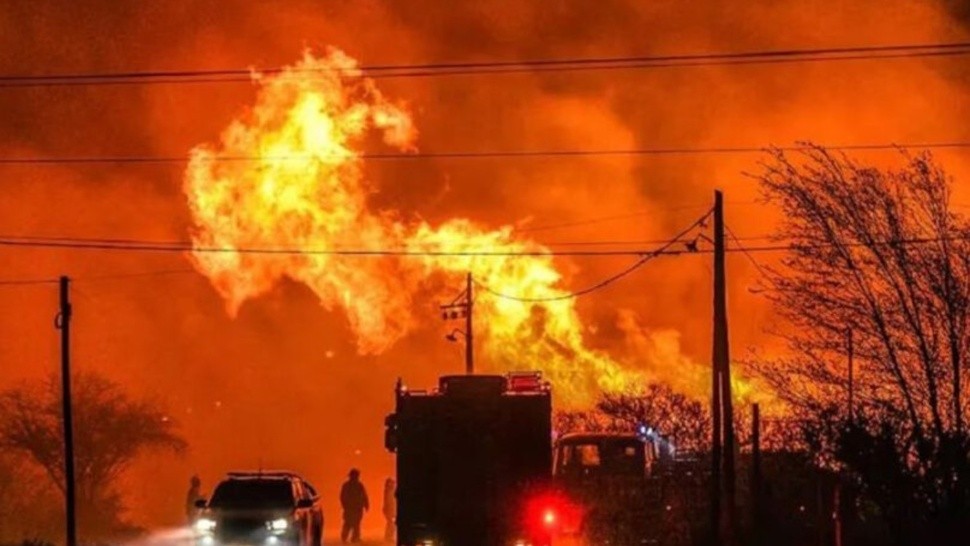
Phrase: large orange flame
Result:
[289,174]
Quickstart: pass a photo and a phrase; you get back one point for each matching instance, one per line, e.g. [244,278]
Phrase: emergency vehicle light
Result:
[525,381]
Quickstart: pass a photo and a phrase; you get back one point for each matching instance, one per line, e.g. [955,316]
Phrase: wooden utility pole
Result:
[722,365]
[715,501]
[469,337]
[837,501]
[957,399]
[837,511]
[756,477]
[63,323]
[850,350]
[462,307]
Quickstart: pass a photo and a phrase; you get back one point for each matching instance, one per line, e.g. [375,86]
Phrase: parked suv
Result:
[261,508]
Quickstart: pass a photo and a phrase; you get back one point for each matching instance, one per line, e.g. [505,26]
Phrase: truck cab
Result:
[614,478]
[591,457]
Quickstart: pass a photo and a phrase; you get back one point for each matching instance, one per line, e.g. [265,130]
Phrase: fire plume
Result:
[289,174]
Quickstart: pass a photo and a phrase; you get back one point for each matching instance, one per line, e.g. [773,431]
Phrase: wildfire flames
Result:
[289,174]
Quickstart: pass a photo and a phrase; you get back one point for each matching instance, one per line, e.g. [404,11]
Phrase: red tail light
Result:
[549,518]
[552,514]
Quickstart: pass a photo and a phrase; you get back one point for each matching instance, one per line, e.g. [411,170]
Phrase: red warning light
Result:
[553,515]
[549,517]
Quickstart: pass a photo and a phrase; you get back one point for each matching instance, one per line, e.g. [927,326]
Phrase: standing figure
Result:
[353,499]
[193,496]
[390,509]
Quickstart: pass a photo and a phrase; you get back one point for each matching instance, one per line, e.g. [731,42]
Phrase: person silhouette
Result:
[353,500]
[390,509]
[193,496]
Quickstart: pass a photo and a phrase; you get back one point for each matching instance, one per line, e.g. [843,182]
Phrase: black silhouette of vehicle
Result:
[613,477]
[261,508]
[474,461]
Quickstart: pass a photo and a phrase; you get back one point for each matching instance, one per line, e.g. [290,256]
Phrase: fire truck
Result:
[474,461]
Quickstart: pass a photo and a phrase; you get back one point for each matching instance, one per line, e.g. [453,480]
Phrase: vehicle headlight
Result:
[278,525]
[205,525]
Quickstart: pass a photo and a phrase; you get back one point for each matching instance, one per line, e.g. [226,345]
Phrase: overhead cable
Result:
[404,70]
[377,252]
[180,160]
[609,280]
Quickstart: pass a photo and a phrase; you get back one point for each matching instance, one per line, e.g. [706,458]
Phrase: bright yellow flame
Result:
[305,189]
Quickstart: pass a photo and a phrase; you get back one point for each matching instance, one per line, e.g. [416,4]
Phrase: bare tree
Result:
[28,507]
[681,419]
[565,422]
[111,430]
[880,256]
[684,420]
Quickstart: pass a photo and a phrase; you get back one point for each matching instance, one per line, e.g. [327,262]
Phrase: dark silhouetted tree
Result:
[29,506]
[881,254]
[683,420]
[111,430]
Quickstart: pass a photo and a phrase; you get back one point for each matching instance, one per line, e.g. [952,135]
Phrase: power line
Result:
[134,275]
[179,247]
[634,242]
[96,278]
[119,244]
[486,154]
[125,242]
[587,222]
[612,278]
[611,218]
[747,254]
[813,246]
[183,247]
[135,245]
[129,241]
[27,282]
[618,217]
[498,67]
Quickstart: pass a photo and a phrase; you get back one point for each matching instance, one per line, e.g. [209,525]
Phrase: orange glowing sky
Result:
[283,382]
